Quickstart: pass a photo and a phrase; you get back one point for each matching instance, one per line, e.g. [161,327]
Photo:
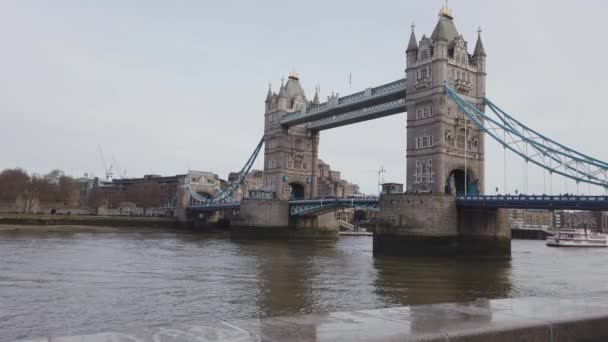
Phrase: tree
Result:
[13,183]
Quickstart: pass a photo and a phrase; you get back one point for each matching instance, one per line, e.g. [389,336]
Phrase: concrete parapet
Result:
[524,319]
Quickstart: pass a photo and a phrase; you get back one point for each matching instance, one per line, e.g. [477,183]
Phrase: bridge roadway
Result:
[596,203]
[316,206]
[372,103]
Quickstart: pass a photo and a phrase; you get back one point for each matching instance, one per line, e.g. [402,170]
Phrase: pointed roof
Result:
[413,44]
[316,100]
[480,51]
[445,29]
[293,87]
[282,90]
[269,95]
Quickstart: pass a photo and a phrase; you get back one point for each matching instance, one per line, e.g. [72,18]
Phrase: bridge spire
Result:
[480,51]
[282,89]
[316,100]
[413,44]
[269,95]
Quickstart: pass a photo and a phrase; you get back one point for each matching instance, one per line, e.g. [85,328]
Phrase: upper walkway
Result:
[372,103]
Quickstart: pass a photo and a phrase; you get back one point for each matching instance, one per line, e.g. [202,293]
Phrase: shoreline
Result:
[73,228]
[88,223]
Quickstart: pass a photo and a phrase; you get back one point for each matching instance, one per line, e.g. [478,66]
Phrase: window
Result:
[424,172]
[424,112]
[424,142]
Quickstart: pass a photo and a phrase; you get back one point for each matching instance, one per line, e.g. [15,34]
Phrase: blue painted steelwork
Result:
[599,203]
[214,207]
[383,94]
[224,196]
[317,206]
[360,115]
[532,146]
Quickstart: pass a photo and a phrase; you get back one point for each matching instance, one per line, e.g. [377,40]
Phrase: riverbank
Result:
[13,228]
[73,222]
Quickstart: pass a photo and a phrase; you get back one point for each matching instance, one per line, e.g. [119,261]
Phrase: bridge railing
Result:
[533,198]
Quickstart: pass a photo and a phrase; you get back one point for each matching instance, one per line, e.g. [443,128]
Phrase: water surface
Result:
[69,284]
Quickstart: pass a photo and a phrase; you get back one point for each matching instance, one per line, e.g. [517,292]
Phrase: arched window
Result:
[449,140]
[460,139]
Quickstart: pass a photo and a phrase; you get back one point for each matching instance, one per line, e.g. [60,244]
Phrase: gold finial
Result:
[294,75]
[479,31]
[413,26]
[445,10]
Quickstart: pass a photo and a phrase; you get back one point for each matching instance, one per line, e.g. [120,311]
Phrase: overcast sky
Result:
[167,86]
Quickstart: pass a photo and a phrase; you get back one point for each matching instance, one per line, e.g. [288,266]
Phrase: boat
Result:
[577,238]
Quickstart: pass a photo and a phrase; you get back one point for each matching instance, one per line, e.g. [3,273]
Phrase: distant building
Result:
[154,190]
[254,181]
[595,221]
[331,184]
[531,219]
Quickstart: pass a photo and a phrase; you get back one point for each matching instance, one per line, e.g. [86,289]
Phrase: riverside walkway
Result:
[523,319]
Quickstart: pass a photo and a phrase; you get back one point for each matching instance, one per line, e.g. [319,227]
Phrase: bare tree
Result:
[13,183]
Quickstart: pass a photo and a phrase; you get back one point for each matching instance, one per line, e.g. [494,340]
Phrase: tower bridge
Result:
[443,210]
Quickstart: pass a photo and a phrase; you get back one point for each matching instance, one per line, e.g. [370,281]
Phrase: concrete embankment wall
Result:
[525,319]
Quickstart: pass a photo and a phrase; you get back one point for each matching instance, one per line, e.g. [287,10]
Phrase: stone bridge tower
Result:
[438,136]
[290,155]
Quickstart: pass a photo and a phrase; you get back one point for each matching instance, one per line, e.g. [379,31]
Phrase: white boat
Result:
[577,238]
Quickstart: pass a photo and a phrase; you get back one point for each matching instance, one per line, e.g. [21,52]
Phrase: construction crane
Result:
[108,170]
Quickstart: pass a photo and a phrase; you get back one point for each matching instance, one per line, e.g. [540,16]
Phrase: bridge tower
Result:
[444,149]
[290,156]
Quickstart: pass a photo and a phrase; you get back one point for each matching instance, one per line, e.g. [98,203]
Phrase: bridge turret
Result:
[444,151]
[412,48]
[290,153]
[479,60]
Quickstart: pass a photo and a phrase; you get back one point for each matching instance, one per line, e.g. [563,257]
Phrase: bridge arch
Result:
[297,191]
[455,183]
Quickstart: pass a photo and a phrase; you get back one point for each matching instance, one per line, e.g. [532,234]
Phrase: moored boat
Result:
[577,238]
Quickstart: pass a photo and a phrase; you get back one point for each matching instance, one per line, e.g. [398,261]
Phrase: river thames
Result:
[57,284]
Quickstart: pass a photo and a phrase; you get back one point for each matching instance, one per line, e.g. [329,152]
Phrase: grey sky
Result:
[167,86]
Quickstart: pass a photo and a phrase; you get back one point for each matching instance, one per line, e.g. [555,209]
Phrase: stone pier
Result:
[270,219]
[432,225]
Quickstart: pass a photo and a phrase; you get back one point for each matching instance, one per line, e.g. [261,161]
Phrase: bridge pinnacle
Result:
[413,44]
[445,11]
[480,51]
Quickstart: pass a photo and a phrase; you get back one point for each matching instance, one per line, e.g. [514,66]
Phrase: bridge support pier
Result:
[270,219]
[432,225]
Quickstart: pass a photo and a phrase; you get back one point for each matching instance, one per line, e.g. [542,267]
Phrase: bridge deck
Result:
[535,202]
